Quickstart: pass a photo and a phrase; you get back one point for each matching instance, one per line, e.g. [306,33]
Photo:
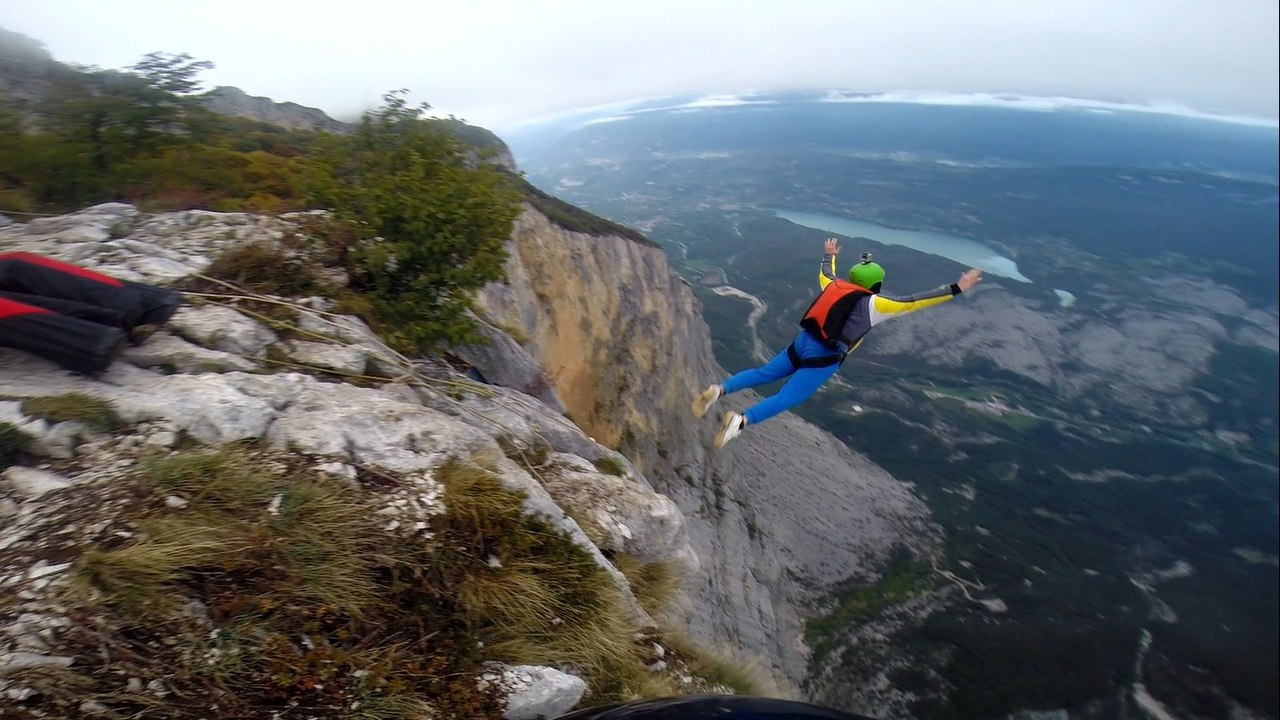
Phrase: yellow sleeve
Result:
[826,271]
[885,307]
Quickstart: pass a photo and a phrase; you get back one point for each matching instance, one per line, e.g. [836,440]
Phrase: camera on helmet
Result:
[866,256]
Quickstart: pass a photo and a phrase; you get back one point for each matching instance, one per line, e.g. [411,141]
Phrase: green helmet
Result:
[867,274]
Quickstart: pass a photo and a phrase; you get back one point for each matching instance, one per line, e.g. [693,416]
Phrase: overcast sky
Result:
[499,63]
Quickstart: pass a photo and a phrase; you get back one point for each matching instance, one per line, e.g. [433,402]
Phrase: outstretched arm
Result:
[827,270]
[884,307]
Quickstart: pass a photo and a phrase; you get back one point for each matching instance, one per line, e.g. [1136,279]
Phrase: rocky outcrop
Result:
[778,516]
[235,102]
[214,376]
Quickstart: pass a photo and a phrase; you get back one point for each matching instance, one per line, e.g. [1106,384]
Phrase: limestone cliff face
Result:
[780,514]
[591,309]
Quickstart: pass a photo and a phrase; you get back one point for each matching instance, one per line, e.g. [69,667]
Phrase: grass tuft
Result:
[536,597]
[657,586]
[742,676]
[610,466]
[12,442]
[223,480]
[265,268]
[534,454]
[137,577]
[94,412]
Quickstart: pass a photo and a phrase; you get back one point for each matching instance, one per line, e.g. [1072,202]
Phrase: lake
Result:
[962,250]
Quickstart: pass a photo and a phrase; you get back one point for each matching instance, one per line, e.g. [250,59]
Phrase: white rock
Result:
[222,328]
[158,687]
[92,707]
[349,359]
[30,483]
[20,660]
[18,693]
[162,439]
[338,469]
[536,692]
[44,569]
[635,519]
[366,427]
[59,441]
[165,350]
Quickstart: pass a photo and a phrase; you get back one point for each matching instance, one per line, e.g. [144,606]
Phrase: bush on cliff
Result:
[436,221]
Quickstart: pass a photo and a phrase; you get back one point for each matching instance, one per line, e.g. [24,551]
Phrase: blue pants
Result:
[803,383]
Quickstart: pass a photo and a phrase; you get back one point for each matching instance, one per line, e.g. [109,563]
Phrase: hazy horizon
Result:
[504,64]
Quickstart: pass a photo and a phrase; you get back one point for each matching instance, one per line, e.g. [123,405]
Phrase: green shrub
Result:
[435,222]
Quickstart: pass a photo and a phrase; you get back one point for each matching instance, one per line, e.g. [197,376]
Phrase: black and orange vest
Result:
[826,317]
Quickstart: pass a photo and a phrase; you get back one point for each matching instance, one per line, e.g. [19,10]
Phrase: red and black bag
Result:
[72,315]
[40,276]
[75,344]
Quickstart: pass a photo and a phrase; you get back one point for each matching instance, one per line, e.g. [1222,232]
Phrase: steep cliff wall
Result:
[783,512]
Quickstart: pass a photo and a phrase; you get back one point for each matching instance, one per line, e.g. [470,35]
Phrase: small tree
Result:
[436,219]
[174,74]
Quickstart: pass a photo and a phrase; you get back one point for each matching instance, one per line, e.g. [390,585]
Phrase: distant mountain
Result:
[27,70]
[227,100]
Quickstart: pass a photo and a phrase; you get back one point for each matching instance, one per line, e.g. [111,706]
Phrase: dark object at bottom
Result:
[712,707]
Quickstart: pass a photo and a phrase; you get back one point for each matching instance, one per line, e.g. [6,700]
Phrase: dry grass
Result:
[534,454]
[224,481]
[741,675]
[391,708]
[265,268]
[137,578]
[310,603]
[94,412]
[610,466]
[313,605]
[657,586]
[538,598]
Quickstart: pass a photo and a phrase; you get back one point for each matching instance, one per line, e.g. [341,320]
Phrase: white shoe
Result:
[730,427]
[708,398]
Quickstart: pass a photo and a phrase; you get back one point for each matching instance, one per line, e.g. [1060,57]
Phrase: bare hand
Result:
[832,247]
[971,277]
